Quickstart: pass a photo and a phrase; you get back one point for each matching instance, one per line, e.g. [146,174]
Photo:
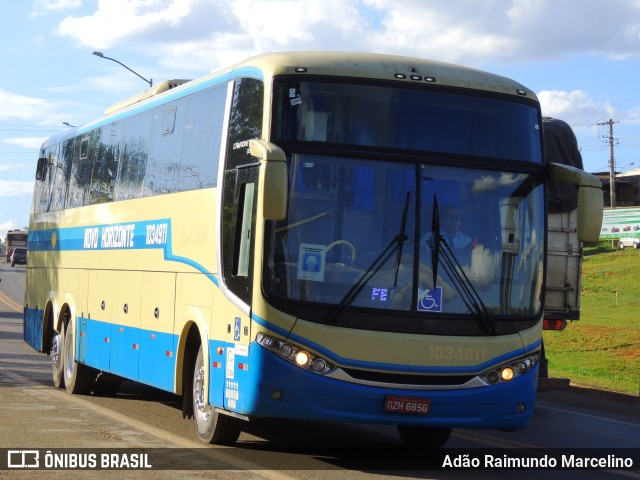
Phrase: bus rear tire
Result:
[78,378]
[424,437]
[56,353]
[211,426]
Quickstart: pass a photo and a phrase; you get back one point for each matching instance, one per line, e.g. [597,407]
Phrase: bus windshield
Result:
[384,116]
[360,234]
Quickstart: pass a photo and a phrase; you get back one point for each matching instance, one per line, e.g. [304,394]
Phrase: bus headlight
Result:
[507,374]
[302,358]
[508,371]
[295,354]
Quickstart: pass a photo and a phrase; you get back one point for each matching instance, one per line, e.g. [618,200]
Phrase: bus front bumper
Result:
[278,389]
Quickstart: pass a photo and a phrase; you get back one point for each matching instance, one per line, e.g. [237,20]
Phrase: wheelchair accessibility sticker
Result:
[311,262]
[430,300]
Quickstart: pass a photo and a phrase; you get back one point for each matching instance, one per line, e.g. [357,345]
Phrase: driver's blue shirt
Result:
[456,241]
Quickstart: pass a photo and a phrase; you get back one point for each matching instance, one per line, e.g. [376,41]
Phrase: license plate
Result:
[416,405]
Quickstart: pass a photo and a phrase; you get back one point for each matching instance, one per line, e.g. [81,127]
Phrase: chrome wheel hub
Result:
[201,407]
[56,353]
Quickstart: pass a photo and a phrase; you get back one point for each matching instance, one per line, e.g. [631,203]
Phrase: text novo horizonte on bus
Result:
[123,236]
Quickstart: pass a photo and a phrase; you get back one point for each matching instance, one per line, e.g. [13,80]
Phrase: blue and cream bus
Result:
[271,240]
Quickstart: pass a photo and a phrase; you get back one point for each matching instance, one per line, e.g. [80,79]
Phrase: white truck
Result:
[564,251]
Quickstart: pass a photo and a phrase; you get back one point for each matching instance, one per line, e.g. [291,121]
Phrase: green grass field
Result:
[602,349]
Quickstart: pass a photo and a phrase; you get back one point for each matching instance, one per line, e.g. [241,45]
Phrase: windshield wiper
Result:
[435,239]
[395,246]
[465,288]
[455,272]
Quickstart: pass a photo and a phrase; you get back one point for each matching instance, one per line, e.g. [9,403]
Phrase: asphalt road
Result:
[36,416]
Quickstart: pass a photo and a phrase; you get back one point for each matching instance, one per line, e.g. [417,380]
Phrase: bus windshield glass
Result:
[384,116]
[362,234]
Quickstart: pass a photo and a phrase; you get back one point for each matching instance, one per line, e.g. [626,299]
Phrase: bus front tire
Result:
[424,437]
[78,378]
[211,426]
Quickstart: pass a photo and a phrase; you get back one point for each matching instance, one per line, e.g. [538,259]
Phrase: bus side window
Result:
[105,170]
[240,189]
[244,229]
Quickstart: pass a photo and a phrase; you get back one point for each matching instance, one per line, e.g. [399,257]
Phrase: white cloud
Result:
[474,32]
[25,142]
[28,109]
[42,6]
[465,31]
[12,166]
[58,4]
[18,106]
[122,21]
[575,108]
[5,227]
[298,25]
[13,188]
[186,34]
[633,116]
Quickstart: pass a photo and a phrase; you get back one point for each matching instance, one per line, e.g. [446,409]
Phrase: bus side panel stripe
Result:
[128,236]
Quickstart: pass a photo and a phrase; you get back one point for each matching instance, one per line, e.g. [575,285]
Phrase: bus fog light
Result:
[318,365]
[521,408]
[276,395]
[507,374]
[302,358]
[286,350]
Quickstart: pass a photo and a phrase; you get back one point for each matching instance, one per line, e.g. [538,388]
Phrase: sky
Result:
[581,57]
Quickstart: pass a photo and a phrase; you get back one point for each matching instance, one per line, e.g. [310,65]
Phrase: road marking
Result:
[216,454]
[9,302]
[588,415]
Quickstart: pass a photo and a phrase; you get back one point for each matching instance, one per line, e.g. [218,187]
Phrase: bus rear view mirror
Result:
[590,205]
[273,178]
[41,169]
[590,201]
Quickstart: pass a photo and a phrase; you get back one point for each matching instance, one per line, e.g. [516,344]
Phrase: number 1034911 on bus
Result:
[417,405]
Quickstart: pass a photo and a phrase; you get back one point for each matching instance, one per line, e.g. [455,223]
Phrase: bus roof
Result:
[384,67]
[323,63]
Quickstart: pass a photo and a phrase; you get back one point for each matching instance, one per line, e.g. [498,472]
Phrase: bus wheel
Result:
[424,437]
[78,378]
[56,358]
[211,426]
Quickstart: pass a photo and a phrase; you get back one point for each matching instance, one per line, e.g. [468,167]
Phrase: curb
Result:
[562,391]
[564,384]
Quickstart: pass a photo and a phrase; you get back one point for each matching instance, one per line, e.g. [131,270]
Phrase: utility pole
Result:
[612,164]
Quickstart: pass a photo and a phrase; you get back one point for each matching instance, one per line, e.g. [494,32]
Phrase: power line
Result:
[26,126]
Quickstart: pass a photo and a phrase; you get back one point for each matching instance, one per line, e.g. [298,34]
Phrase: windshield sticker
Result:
[311,262]
[380,295]
[430,300]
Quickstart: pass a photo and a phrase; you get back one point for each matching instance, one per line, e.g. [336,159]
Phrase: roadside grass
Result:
[602,349]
